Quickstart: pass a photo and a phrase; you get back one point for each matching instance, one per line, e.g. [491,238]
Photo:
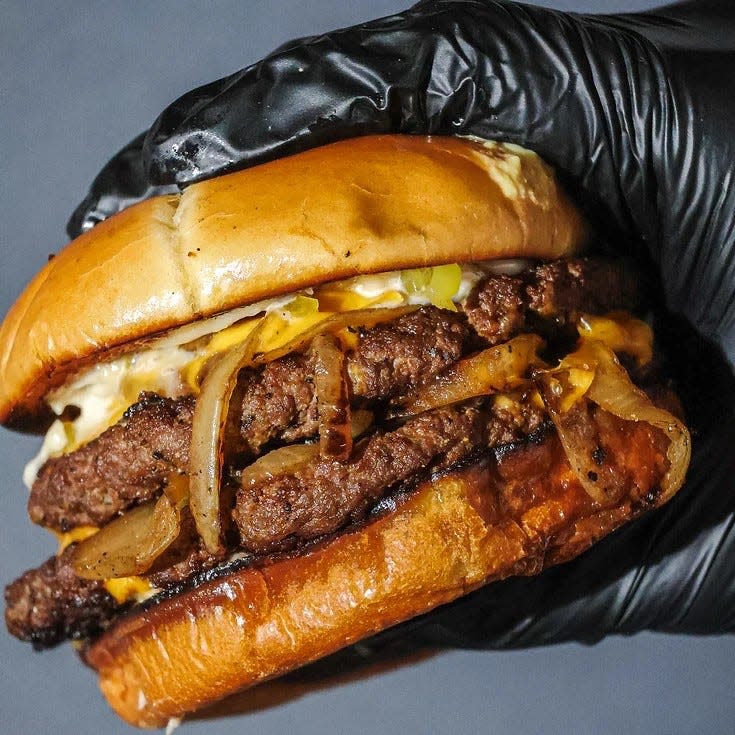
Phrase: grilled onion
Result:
[361,421]
[278,462]
[130,544]
[290,458]
[497,368]
[578,432]
[208,425]
[621,333]
[332,396]
[210,415]
[593,372]
[613,391]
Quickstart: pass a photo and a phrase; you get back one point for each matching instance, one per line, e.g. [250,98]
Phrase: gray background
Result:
[77,80]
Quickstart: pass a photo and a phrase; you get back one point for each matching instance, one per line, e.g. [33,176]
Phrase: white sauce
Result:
[97,393]
[53,445]
[507,266]
[507,171]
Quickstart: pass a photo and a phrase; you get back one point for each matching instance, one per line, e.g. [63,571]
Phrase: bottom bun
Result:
[449,536]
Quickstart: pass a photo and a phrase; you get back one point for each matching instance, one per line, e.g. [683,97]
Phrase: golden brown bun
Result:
[360,206]
[449,537]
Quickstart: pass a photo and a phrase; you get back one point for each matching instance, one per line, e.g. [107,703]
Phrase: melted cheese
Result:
[122,588]
[621,333]
[126,588]
[278,329]
[76,534]
[342,299]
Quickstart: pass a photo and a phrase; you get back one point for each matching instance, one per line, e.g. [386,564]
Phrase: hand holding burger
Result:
[438,413]
[330,411]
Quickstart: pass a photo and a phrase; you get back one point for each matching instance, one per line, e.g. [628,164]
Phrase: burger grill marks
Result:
[129,463]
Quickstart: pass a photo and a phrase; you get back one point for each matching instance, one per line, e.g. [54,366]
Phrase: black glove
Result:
[637,113]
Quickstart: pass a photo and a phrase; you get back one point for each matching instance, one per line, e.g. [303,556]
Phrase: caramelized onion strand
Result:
[332,397]
[614,392]
[210,415]
[208,425]
[497,368]
[131,543]
[292,457]
[278,462]
[610,387]
[578,434]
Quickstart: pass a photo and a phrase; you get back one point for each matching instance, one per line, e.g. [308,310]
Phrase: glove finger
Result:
[122,182]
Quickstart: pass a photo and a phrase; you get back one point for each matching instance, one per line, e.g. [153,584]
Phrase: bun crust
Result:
[449,537]
[359,206]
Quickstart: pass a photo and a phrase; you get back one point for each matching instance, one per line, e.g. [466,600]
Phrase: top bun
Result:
[359,206]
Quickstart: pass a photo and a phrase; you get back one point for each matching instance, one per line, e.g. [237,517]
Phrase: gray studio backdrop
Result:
[77,80]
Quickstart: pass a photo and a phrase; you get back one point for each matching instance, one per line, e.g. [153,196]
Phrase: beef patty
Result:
[50,603]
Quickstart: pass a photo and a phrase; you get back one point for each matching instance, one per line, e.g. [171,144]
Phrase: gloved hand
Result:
[637,113]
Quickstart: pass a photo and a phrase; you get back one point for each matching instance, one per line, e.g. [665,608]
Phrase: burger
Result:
[295,405]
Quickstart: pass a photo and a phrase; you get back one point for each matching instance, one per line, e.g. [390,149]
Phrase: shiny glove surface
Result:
[637,114]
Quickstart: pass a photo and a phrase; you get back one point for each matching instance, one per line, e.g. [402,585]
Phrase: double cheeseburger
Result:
[301,403]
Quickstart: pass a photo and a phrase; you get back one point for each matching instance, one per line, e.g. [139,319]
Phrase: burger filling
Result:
[269,431]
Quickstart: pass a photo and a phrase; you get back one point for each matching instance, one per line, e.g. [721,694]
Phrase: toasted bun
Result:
[360,206]
[449,537]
